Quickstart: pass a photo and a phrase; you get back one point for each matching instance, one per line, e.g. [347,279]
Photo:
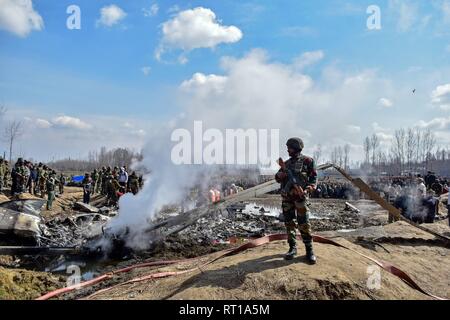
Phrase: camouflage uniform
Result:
[62,182]
[18,174]
[295,209]
[133,182]
[6,173]
[112,187]
[43,176]
[51,186]
[95,180]
[105,177]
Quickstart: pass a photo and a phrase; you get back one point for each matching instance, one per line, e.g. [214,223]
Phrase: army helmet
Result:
[295,143]
[20,161]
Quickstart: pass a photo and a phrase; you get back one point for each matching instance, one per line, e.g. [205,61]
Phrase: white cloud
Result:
[139,132]
[352,129]
[441,96]
[111,15]
[205,83]
[377,128]
[153,11]
[446,11]
[195,28]
[308,58]
[71,122]
[174,8]
[406,13]
[442,124]
[146,70]
[385,103]
[42,123]
[19,17]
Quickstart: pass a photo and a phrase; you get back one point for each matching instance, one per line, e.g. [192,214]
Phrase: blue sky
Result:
[95,74]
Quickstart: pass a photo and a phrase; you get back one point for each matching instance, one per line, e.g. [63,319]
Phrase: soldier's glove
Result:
[298,192]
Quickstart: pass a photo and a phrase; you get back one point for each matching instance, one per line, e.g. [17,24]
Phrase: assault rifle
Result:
[292,186]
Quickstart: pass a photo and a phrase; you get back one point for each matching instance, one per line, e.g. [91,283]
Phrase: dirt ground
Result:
[262,273]
[24,284]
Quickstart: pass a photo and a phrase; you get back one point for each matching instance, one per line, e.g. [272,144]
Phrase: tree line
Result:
[98,159]
[412,150]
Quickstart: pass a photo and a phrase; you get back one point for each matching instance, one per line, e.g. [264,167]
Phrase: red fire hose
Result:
[251,244]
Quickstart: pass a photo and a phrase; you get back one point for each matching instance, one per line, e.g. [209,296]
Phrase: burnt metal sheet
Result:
[21,218]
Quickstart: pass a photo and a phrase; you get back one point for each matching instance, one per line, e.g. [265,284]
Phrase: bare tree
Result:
[410,147]
[374,144]
[340,156]
[317,153]
[13,131]
[334,156]
[399,147]
[346,156]
[419,143]
[429,142]
[367,149]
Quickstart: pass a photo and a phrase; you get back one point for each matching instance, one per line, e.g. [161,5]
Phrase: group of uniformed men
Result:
[26,176]
[111,182]
[41,180]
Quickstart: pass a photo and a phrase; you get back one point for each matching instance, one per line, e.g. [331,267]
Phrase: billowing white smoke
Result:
[253,93]
[166,184]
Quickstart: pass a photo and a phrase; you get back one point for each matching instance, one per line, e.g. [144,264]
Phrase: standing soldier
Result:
[98,187]
[298,177]
[43,180]
[51,182]
[7,173]
[134,183]
[106,173]
[62,182]
[39,173]
[33,179]
[18,176]
[87,188]
[27,179]
[112,187]
[95,180]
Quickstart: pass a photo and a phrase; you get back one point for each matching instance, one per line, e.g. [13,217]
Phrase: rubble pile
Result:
[251,220]
[73,231]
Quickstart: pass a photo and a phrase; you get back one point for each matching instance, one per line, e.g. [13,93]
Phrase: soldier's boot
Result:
[291,253]
[310,253]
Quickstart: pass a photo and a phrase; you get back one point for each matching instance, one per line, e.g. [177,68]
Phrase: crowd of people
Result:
[417,197]
[40,180]
[36,179]
[334,190]
[111,182]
